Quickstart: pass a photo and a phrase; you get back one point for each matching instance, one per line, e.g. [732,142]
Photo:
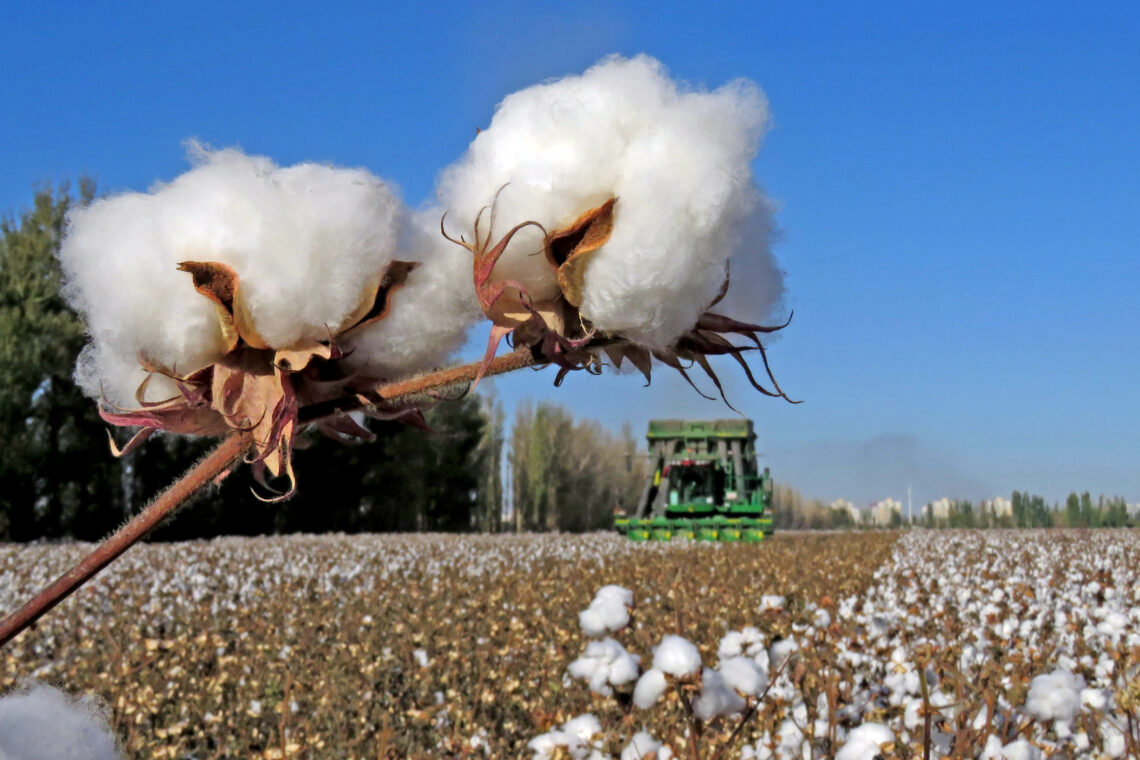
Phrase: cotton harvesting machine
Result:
[703,483]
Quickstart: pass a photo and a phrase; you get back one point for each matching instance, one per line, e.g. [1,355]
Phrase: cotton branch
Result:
[447,382]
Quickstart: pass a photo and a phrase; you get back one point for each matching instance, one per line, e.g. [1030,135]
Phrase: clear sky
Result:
[958,189]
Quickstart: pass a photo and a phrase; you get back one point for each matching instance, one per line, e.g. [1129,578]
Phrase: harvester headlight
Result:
[730,495]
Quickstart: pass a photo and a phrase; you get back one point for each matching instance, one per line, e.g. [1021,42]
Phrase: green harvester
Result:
[703,484]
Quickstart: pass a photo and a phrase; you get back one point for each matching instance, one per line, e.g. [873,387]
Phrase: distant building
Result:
[939,510]
[1001,507]
[882,512]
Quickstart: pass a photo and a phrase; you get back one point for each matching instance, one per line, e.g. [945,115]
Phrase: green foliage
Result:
[49,483]
[791,511]
[488,516]
[569,474]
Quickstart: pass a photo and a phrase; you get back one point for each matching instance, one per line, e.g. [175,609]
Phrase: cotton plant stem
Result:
[430,386]
[215,463]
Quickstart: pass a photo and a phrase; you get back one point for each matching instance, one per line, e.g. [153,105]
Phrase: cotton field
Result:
[1015,644]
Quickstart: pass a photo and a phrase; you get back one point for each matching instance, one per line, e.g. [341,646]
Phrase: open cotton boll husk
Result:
[308,243]
[677,160]
[431,314]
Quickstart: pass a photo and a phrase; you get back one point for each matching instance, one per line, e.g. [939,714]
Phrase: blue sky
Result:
[957,186]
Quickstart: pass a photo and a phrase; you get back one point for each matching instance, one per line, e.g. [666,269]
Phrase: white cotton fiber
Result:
[642,745]
[771,602]
[677,657]
[742,675]
[574,735]
[865,742]
[42,723]
[1021,750]
[1055,696]
[606,663]
[583,728]
[649,688]
[618,593]
[608,612]
[308,242]
[677,159]
[748,641]
[430,315]
[716,699]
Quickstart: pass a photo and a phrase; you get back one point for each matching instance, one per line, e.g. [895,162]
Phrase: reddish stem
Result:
[225,454]
[216,462]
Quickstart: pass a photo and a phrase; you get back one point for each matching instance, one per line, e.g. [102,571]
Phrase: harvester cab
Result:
[703,484]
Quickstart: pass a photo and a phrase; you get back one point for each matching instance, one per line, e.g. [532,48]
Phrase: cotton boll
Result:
[717,699]
[865,742]
[591,622]
[42,723]
[992,750]
[782,650]
[430,315]
[574,735]
[315,269]
[606,663]
[308,244]
[748,641]
[620,593]
[791,741]
[742,675]
[912,715]
[649,689]
[1096,699]
[1055,696]
[1114,624]
[1114,741]
[642,744]
[771,602]
[608,612]
[677,657]
[678,162]
[731,645]
[1021,750]
[583,728]
[545,745]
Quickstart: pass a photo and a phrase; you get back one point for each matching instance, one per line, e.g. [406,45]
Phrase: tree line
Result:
[1032,511]
[568,474]
[791,511]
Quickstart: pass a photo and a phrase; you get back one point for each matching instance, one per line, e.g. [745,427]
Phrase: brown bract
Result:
[255,387]
[552,323]
[556,329]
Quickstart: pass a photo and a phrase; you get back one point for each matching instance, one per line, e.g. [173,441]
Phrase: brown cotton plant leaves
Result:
[321,632]
[256,387]
[549,321]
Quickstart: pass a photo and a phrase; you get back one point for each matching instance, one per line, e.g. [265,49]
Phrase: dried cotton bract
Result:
[430,319]
[603,210]
[219,301]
